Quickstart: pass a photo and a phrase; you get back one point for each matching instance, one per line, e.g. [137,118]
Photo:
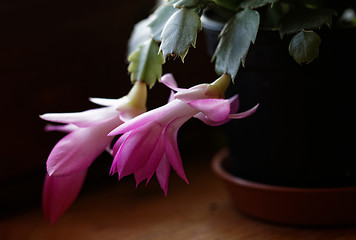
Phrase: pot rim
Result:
[223,155]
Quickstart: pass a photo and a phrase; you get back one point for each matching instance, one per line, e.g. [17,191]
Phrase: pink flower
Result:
[59,193]
[88,137]
[149,141]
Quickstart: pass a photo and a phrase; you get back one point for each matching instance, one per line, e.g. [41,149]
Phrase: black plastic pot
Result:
[303,134]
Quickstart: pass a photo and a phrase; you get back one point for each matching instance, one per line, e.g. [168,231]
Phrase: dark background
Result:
[54,55]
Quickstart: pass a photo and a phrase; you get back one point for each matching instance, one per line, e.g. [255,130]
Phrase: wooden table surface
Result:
[200,210]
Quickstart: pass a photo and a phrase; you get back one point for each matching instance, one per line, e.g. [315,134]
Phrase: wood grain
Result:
[200,210]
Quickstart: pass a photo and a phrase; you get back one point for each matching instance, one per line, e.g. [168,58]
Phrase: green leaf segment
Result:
[170,30]
[305,19]
[253,4]
[187,3]
[179,33]
[145,64]
[304,47]
[159,19]
[235,39]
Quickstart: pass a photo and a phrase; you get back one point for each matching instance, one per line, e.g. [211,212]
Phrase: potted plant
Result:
[303,117]
[288,154]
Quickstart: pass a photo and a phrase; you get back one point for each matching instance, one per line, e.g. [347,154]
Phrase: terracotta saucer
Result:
[288,205]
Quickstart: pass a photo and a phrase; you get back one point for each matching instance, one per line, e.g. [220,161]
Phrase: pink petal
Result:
[106,101]
[208,121]
[115,149]
[119,142]
[130,114]
[135,150]
[136,122]
[59,193]
[244,114]
[216,110]
[162,173]
[171,97]
[77,150]
[155,157]
[83,119]
[169,81]
[234,103]
[234,106]
[172,151]
[192,94]
[62,128]
[144,118]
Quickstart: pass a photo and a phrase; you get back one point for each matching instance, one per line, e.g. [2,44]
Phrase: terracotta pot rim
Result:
[223,155]
[288,205]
